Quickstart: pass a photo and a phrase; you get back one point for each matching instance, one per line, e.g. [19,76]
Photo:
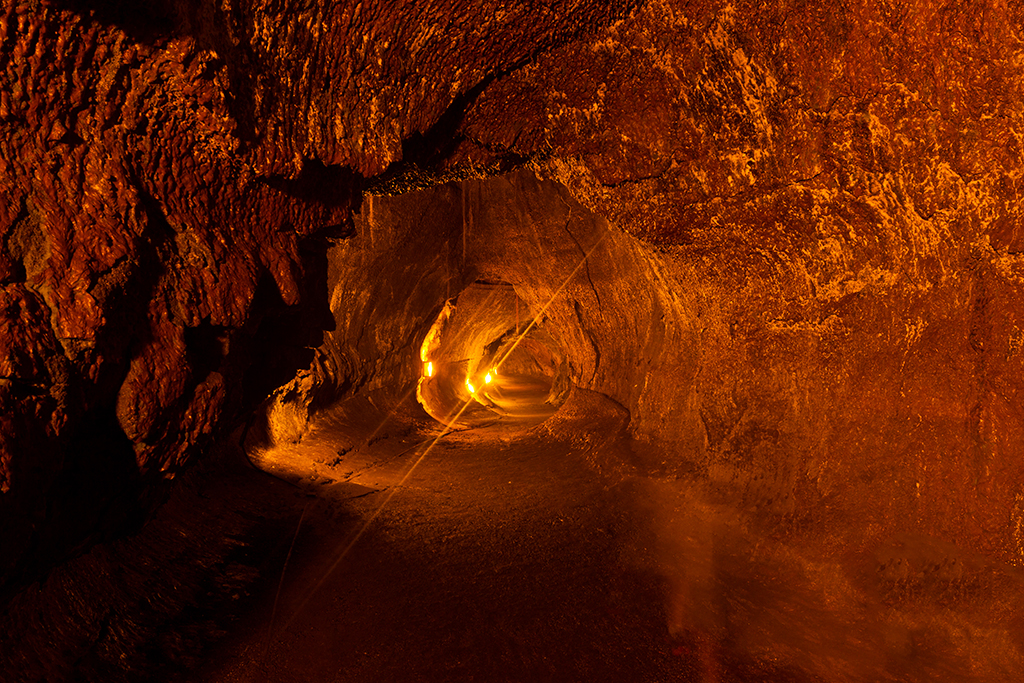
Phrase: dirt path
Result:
[500,559]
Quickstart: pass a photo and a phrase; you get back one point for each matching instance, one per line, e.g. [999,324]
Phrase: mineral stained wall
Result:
[171,178]
[832,189]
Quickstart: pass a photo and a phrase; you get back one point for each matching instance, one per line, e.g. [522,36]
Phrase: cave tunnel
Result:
[482,352]
[599,341]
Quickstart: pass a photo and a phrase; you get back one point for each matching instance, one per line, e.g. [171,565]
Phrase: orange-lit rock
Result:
[810,298]
[170,177]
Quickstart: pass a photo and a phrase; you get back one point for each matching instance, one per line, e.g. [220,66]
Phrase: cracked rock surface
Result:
[171,178]
[811,298]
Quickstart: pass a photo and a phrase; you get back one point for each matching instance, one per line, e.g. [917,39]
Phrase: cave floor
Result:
[505,556]
[552,553]
[559,551]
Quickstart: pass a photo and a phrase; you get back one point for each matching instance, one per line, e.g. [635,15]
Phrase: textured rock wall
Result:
[833,188]
[627,325]
[170,177]
[625,320]
[839,184]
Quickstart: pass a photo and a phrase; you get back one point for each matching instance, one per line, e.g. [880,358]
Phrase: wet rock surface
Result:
[801,222]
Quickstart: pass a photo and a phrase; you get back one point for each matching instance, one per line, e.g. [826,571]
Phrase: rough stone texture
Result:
[171,175]
[612,313]
[822,203]
[857,581]
[839,185]
[138,264]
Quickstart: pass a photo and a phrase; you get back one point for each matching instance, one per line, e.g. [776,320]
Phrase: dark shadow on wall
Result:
[283,338]
[144,607]
[214,28]
[93,500]
[145,22]
[96,493]
[332,186]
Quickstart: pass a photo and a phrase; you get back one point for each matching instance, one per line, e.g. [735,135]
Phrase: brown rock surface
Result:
[170,177]
[839,186]
[813,291]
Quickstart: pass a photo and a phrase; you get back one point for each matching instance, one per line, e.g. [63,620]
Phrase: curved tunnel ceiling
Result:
[827,330]
[487,355]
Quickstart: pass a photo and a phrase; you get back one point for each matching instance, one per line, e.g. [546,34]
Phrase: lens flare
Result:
[519,338]
[449,425]
[366,525]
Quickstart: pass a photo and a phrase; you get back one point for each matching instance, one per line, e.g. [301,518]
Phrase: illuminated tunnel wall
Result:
[619,318]
[488,355]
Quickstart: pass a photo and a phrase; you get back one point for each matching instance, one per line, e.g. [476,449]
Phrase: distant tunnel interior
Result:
[509,278]
[489,351]
[584,340]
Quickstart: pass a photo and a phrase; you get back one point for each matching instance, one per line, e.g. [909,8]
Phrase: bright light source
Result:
[471,388]
[430,369]
[487,378]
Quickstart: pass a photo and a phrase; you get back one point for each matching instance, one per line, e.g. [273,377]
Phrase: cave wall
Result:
[172,175]
[804,427]
[138,265]
[830,192]
[839,187]
[625,322]
[830,195]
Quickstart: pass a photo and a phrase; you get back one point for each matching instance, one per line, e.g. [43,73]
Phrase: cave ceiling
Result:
[823,199]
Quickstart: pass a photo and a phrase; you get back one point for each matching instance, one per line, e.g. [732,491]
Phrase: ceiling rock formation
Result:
[171,178]
[809,292]
[839,189]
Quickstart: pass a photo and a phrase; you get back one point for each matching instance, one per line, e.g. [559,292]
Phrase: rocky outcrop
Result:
[172,177]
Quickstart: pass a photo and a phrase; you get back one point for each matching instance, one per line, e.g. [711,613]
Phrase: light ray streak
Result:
[390,414]
[447,429]
[370,520]
[280,583]
[554,296]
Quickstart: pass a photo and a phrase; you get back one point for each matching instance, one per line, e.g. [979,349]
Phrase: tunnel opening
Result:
[492,300]
[489,356]
[490,367]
